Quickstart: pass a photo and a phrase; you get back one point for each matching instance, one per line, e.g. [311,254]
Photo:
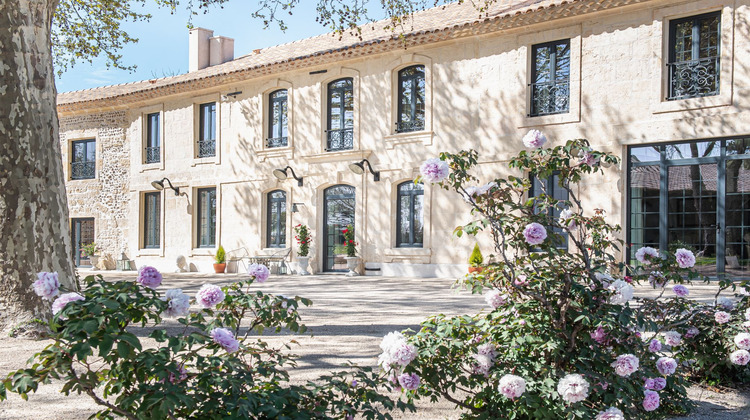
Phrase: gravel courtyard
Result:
[348,318]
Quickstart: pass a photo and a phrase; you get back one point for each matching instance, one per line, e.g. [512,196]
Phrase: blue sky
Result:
[162,49]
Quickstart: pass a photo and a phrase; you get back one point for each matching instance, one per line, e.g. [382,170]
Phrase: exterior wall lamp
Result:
[281,174]
[359,168]
[159,185]
[296,206]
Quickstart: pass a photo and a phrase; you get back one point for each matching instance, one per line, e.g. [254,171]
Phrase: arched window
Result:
[340,127]
[411,107]
[276,219]
[277,118]
[410,215]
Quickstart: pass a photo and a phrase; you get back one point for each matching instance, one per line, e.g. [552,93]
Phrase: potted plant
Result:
[352,260]
[90,250]
[476,260]
[302,235]
[220,260]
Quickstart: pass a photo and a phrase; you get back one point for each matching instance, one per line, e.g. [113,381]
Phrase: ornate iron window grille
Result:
[340,139]
[411,113]
[206,148]
[277,142]
[277,118]
[694,56]
[550,98]
[341,98]
[409,126]
[83,170]
[550,71]
[153,154]
[695,78]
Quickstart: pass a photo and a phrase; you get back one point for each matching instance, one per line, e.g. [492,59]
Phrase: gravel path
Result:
[348,318]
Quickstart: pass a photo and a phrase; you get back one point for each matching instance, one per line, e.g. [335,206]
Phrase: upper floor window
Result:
[410,228]
[694,56]
[276,220]
[550,76]
[411,101]
[151,219]
[83,162]
[551,187]
[206,217]
[277,118]
[153,138]
[207,130]
[340,115]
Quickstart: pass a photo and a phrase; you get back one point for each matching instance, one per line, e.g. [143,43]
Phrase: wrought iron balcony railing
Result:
[340,139]
[409,126]
[276,142]
[549,98]
[206,148]
[153,154]
[692,79]
[83,170]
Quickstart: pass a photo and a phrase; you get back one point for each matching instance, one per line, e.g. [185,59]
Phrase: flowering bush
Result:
[209,368]
[302,235]
[349,244]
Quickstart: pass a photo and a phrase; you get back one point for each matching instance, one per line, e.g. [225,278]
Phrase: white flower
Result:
[178,303]
[672,338]
[564,216]
[725,303]
[604,278]
[494,298]
[484,189]
[740,357]
[612,413]
[512,386]
[534,139]
[623,292]
[625,364]
[434,170]
[396,351]
[742,340]
[644,252]
[747,314]
[573,388]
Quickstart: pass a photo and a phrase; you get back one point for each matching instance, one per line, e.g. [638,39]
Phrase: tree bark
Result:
[34,231]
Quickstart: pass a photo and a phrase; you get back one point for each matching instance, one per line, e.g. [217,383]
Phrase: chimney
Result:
[208,50]
[221,50]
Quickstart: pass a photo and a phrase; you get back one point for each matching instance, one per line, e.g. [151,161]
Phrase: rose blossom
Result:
[225,338]
[644,252]
[259,272]
[672,338]
[573,388]
[654,346]
[178,303]
[599,335]
[692,332]
[494,298]
[612,413]
[63,300]
[625,364]
[680,290]
[149,277]
[722,317]
[534,139]
[564,216]
[47,285]
[209,296]
[534,233]
[488,350]
[659,384]
[512,386]
[742,340]
[666,365]
[740,357]
[396,351]
[725,303]
[650,400]
[409,382]
[434,170]
[685,258]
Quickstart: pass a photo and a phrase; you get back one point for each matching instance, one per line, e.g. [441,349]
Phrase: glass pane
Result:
[644,208]
[404,224]
[645,154]
[542,62]
[683,42]
[339,212]
[153,131]
[709,36]
[737,254]
[738,146]
[562,61]
[693,150]
[419,219]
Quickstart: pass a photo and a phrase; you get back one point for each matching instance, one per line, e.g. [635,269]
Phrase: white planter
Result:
[352,263]
[94,259]
[303,263]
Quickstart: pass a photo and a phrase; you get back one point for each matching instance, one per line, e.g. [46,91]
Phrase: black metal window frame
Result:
[551,187]
[81,167]
[152,220]
[411,76]
[278,103]
[341,138]
[153,137]
[276,202]
[335,192]
[206,223]
[403,193]
[686,78]
[555,89]
[207,130]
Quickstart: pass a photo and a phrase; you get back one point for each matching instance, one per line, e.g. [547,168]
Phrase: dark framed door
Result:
[338,212]
[82,233]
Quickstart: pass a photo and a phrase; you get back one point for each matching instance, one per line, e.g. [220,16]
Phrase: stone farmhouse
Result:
[240,150]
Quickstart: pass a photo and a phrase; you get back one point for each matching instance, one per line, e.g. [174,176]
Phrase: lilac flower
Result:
[589,159]
[63,300]
[692,332]
[685,258]
[534,233]
[722,317]
[599,335]
[565,216]
[611,413]
[656,279]
[434,170]
[659,384]
[666,365]
[396,351]
[47,285]
[149,277]
[534,139]
[654,346]
[174,379]
[494,298]
[650,400]
[680,290]
[573,388]
[742,340]
[409,382]
[645,254]
[740,357]
[225,338]
[512,386]
[521,280]
[178,303]
[672,338]
[625,364]
[725,303]
[259,272]
[209,296]
[623,292]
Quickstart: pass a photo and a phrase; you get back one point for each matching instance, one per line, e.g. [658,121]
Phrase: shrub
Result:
[349,244]
[221,256]
[475,260]
[302,235]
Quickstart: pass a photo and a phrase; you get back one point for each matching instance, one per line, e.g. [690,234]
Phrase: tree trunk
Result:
[34,231]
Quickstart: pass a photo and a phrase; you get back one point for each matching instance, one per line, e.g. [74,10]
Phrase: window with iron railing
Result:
[411,99]
[153,138]
[207,130]
[694,56]
[550,75]
[340,127]
[277,119]
[83,161]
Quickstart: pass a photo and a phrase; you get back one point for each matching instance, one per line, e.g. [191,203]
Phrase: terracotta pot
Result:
[475,269]
[219,268]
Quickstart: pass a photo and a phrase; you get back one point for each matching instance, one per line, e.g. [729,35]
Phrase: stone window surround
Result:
[197,102]
[144,138]
[78,135]
[195,250]
[334,74]
[660,48]
[262,150]
[409,254]
[142,251]
[425,136]
[525,42]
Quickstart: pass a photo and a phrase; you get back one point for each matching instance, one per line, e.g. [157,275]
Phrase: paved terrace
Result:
[346,322]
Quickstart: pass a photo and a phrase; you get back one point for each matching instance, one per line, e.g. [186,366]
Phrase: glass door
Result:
[338,213]
[82,233]
[737,239]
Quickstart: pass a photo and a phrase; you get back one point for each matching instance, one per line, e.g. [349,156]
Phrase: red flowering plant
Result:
[302,235]
[351,246]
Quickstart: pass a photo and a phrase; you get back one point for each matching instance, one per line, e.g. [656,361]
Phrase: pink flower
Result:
[209,296]
[611,413]
[740,357]
[521,280]
[409,382]
[742,340]
[534,233]
[656,279]
[650,400]
[225,338]
[599,335]
[645,254]
[565,217]
[149,277]
[178,303]
[63,301]
[589,159]
[654,346]
[534,139]
[573,388]
[434,170]
[177,379]
[722,317]
[487,349]
[680,290]
[396,351]
[482,364]
[625,364]
[494,298]
[512,386]
[692,332]
[672,338]
[685,258]
[659,384]
[259,271]
[47,285]
[666,365]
